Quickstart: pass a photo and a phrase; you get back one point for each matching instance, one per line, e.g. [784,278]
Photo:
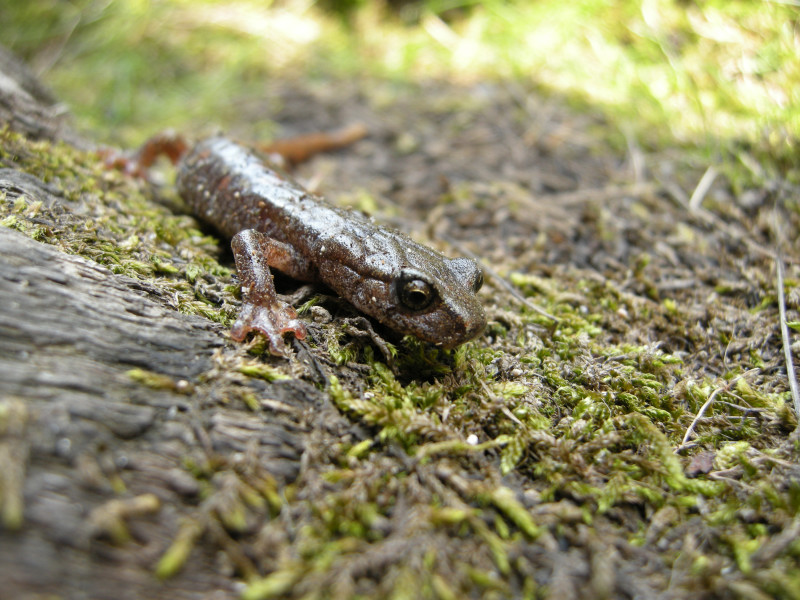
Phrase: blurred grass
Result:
[717,75]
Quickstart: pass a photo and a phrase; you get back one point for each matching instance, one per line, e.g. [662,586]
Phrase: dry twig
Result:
[497,278]
[702,188]
[726,388]
[787,343]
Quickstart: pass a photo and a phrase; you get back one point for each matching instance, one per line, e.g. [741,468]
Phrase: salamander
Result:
[275,223]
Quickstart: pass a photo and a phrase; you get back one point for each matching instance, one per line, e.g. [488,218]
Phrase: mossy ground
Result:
[549,458]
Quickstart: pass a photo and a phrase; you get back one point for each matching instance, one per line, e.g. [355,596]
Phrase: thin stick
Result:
[497,278]
[787,342]
[710,219]
[702,188]
[699,415]
[597,195]
[708,403]
[503,408]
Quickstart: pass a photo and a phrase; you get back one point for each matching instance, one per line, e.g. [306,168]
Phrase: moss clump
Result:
[111,219]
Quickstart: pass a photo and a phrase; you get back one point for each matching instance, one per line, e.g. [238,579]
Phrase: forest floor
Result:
[636,441]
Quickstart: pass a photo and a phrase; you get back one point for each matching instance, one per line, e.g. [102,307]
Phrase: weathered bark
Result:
[74,424]
[28,107]
[74,420]
[106,395]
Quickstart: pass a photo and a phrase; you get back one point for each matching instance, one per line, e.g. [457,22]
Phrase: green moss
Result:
[505,501]
[272,586]
[262,371]
[118,225]
[176,556]
[160,382]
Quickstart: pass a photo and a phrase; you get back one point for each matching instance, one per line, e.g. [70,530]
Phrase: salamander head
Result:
[443,310]
[412,289]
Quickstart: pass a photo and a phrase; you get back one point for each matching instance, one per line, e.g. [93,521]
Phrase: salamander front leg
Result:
[261,310]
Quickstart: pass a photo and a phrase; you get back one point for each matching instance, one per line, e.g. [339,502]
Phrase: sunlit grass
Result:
[694,70]
[128,68]
[703,73]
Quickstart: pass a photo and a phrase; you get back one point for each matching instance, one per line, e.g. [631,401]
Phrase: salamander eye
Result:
[414,292]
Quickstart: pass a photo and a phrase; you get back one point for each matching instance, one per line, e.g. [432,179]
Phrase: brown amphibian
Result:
[275,223]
